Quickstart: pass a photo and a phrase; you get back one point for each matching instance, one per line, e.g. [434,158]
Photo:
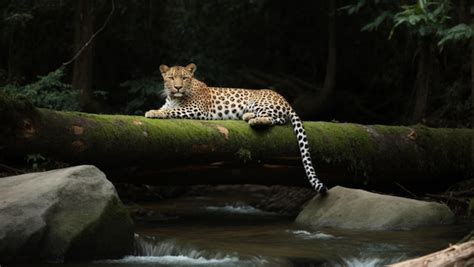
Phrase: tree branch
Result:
[79,52]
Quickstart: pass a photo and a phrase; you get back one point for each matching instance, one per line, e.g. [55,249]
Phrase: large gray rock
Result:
[357,209]
[65,214]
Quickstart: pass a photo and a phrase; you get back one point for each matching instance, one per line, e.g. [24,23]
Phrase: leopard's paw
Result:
[248,116]
[155,114]
[260,121]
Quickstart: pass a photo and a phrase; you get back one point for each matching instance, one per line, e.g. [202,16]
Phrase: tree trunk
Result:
[192,151]
[457,255]
[472,95]
[15,58]
[82,74]
[463,12]
[310,102]
[330,79]
[422,82]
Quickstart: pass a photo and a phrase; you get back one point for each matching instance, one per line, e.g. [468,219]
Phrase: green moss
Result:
[348,146]
[365,154]
[244,155]
[12,110]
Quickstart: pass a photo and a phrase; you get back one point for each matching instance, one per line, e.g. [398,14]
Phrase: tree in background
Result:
[15,19]
[254,44]
[430,24]
[83,64]
[330,78]
[84,47]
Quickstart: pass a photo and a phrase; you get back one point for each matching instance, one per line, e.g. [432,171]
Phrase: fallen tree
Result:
[456,255]
[136,149]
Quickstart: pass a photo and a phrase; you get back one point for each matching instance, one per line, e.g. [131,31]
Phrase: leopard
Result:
[189,98]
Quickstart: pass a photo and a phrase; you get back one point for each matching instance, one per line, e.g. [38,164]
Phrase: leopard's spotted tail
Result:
[305,156]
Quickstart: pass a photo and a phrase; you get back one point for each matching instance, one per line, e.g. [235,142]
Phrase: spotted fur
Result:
[188,98]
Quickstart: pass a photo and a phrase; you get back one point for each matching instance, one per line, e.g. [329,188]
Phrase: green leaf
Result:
[376,23]
[456,33]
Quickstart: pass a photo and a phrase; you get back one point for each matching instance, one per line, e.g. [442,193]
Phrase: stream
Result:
[224,230]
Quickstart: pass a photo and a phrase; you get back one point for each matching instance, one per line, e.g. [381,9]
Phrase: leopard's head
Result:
[178,80]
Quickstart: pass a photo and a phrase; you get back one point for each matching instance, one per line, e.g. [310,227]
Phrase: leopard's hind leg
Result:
[267,117]
[261,121]
[248,116]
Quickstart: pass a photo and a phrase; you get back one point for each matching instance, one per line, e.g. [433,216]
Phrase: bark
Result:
[136,149]
[330,79]
[463,12]
[422,82]
[15,57]
[82,74]
[457,255]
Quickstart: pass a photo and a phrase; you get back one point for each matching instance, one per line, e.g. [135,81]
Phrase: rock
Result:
[62,215]
[357,209]
[285,200]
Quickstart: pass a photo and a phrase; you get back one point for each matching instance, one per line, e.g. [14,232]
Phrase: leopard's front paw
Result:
[156,114]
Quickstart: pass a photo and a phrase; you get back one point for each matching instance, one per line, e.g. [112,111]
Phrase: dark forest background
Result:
[388,62]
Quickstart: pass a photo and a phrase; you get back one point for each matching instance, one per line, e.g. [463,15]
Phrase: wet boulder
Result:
[62,215]
[358,209]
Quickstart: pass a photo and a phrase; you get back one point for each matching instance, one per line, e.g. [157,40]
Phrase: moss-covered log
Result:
[137,149]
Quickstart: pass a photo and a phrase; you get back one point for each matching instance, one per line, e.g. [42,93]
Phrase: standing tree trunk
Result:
[463,12]
[330,79]
[15,49]
[82,74]
[422,82]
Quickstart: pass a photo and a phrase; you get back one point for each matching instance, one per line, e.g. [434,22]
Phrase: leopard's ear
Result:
[164,69]
[191,68]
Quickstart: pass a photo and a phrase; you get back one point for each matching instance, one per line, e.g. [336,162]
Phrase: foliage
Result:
[374,25]
[48,92]
[424,18]
[144,95]
[425,24]
[244,155]
[456,33]
[35,160]
[17,19]
[232,40]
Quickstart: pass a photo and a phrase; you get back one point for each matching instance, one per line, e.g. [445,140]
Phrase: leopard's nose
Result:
[177,87]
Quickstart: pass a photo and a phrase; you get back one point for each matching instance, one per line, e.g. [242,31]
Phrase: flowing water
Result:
[223,230]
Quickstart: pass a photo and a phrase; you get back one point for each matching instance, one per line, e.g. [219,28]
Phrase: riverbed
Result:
[224,229]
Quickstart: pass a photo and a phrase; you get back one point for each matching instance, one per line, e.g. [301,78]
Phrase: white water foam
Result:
[369,261]
[172,260]
[308,235]
[151,251]
[240,209]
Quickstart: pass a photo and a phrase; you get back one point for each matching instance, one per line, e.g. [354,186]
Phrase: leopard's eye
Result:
[171,78]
